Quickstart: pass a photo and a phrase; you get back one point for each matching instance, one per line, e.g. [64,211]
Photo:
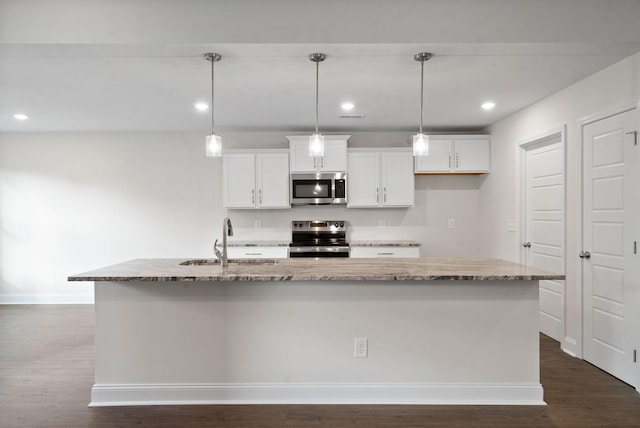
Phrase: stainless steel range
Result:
[319,238]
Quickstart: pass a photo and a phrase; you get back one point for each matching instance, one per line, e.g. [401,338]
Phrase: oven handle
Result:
[319,249]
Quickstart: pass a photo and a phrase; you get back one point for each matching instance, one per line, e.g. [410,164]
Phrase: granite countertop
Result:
[309,269]
[258,243]
[372,243]
[402,243]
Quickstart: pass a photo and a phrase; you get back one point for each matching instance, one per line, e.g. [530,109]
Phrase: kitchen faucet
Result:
[227,230]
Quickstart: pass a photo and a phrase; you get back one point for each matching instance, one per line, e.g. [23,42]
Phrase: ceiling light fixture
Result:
[420,140]
[20,116]
[347,106]
[316,141]
[201,106]
[489,105]
[213,141]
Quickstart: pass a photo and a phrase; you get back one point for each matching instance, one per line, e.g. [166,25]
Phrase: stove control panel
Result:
[319,225]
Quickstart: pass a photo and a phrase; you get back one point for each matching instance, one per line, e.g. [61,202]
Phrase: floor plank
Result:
[46,373]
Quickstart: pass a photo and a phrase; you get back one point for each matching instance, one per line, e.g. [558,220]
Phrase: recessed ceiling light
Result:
[489,105]
[20,116]
[201,106]
[347,106]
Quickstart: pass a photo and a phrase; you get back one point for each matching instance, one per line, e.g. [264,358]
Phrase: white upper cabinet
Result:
[456,154]
[398,182]
[255,179]
[380,178]
[363,179]
[334,159]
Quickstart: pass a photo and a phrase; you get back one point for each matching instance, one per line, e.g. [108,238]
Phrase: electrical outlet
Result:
[383,224]
[258,224]
[511,225]
[452,223]
[362,347]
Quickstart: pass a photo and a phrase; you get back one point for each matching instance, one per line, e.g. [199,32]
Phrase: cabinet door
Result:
[258,252]
[472,155]
[363,179]
[440,156]
[300,159]
[273,180]
[398,181]
[335,156]
[384,252]
[238,180]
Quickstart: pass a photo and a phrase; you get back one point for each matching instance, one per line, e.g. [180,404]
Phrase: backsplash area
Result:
[438,200]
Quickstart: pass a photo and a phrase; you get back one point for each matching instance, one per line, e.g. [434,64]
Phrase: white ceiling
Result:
[76,80]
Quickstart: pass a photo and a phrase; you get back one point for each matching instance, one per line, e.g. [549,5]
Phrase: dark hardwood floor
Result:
[46,373]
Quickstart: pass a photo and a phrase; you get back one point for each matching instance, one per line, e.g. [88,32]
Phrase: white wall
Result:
[74,202]
[608,89]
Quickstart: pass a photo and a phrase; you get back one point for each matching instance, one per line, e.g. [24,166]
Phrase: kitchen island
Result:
[437,331]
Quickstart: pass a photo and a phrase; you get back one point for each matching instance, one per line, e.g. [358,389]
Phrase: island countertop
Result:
[309,269]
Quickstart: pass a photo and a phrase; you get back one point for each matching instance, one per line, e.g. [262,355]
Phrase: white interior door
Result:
[610,275]
[544,227]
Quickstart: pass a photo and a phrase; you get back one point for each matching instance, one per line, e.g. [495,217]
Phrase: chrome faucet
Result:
[227,230]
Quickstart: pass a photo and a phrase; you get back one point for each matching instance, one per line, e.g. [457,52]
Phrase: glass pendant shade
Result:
[421,144]
[213,146]
[316,145]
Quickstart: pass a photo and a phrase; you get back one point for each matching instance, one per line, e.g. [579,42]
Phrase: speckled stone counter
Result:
[258,243]
[378,243]
[308,269]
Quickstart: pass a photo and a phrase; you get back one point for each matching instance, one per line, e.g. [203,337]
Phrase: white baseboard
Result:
[274,393]
[570,346]
[46,299]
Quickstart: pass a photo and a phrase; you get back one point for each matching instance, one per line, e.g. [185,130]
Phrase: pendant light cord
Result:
[317,84]
[421,92]
[212,96]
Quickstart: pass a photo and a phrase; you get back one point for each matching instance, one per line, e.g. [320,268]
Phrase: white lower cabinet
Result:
[258,252]
[380,178]
[256,179]
[389,252]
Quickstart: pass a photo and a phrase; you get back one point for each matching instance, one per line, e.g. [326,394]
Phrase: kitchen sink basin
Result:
[212,262]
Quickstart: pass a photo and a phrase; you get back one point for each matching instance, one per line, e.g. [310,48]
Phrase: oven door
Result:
[307,189]
[319,251]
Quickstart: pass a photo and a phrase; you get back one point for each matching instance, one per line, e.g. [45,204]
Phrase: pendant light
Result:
[316,141]
[420,140]
[213,145]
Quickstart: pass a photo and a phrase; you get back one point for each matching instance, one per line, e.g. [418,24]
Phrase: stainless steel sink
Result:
[212,262]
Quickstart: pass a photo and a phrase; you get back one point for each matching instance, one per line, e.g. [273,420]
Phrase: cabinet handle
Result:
[253,196]
[385,254]
[449,160]
[384,193]
[457,159]
[377,195]
[252,254]
[260,196]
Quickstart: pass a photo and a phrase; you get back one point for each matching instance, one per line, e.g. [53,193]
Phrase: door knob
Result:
[585,255]
[526,244]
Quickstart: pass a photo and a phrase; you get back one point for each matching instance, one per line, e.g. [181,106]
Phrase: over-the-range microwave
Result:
[319,189]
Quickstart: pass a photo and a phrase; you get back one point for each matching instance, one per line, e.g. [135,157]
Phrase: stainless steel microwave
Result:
[319,189]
